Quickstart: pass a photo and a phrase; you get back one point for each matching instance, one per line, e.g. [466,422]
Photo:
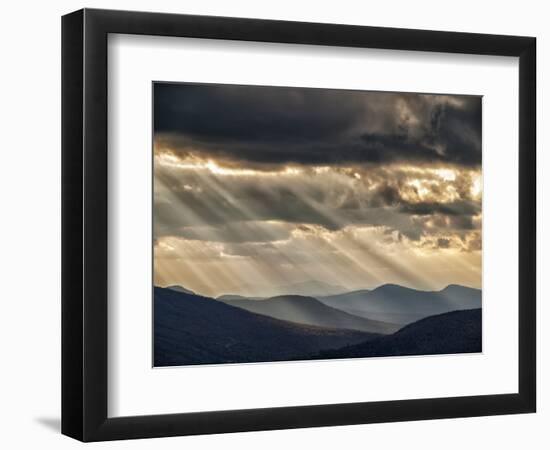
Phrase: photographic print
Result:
[301,224]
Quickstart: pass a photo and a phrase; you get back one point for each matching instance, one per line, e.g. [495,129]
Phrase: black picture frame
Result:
[84,224]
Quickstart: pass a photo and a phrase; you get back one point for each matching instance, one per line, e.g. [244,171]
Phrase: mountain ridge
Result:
[309,310]
[398,304]
[311,288]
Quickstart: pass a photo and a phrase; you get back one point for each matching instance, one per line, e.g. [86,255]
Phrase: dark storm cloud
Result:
[457,208]
[253,114]
[268,125]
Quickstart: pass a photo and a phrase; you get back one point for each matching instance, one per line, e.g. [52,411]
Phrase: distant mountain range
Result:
[388,321]
[190,329]
[448,333]
[310,311]
[226,297]
[310,288]
[401,305]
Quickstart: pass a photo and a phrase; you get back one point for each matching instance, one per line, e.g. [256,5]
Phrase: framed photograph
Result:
[273,224]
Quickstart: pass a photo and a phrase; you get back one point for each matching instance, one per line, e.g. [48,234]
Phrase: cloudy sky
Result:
[259,187]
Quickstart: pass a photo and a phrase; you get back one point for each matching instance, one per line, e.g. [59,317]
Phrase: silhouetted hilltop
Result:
[190,329]
[448,333]
[181,289]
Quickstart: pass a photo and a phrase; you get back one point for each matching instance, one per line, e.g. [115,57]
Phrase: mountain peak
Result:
[392,287]
[458,287]
[178,288]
